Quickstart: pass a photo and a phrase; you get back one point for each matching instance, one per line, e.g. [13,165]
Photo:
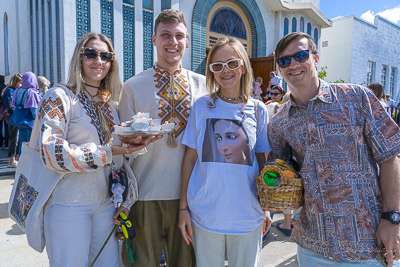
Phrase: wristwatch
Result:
[392,216]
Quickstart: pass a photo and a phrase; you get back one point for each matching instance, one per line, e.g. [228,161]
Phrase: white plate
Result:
[132,133]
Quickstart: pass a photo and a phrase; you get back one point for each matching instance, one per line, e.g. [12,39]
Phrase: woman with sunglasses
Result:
[219,201]
[277,93]
[76,122]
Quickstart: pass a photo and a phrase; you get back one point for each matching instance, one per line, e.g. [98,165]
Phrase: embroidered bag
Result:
[33,185]
[22,118]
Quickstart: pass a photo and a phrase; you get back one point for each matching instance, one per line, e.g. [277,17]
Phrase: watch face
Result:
[396,217]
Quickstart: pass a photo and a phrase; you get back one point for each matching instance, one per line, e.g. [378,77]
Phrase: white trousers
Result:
[76,232]
[242,250]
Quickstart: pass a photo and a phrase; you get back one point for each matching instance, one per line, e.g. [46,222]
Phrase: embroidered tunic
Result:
[159,170]
[69,142]
[339,140]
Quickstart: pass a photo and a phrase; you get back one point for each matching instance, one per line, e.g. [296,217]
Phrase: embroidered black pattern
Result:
[92,113]
[58,153]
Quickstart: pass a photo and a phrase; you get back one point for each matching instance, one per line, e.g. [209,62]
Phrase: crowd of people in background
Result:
[23,91]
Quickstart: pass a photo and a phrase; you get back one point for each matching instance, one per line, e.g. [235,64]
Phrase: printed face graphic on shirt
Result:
[226,141]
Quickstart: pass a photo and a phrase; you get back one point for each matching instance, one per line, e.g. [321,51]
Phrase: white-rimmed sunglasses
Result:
[231,64]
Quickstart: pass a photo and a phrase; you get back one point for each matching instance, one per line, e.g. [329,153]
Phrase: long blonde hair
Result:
[247,77]
[110,86]
[15,79]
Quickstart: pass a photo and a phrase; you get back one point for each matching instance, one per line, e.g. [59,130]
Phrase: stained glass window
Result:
[309,29]
[285,27]
[301,24]
[228,22]
[294,25]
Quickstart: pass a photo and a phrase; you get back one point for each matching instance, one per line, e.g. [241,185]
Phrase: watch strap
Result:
[385,215]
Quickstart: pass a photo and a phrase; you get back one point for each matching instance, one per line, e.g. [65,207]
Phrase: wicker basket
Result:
[288,195]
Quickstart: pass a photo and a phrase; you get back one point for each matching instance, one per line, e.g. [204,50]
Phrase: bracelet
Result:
[187,208]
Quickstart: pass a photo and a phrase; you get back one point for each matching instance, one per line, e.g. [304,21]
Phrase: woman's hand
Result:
[134,143]
[267,222]
[185,225]
[115,217]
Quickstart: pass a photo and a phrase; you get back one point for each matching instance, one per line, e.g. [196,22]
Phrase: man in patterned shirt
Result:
[346,145]
[167,91]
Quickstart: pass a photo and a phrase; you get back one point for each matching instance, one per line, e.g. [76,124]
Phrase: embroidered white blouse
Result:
[69,142]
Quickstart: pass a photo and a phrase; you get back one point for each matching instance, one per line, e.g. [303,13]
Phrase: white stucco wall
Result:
[337,55]
[352,42]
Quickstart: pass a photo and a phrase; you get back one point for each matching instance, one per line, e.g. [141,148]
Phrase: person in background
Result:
[277,93]
[257,91]
[212,214]
[27,95]
[379,91]
[390,101]
[44,85]
[6,97]
[3,112]
[346,146]
[167,91]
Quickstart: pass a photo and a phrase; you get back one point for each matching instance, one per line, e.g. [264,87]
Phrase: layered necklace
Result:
[93,97]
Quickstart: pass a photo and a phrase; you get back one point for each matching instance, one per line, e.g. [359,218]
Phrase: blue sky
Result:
[366,9]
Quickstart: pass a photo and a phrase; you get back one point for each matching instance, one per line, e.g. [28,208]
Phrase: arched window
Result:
[294,25]
[301,24]
[316,36]
[309,29]
[6,58]
[228,22]
[285,27]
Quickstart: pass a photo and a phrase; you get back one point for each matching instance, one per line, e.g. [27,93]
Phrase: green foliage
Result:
[322,73]
[339,81]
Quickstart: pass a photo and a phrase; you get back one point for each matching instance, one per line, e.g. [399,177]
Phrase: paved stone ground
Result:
[278,250]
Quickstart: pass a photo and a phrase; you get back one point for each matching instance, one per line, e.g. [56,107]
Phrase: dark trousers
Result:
[12,138]
[3,139]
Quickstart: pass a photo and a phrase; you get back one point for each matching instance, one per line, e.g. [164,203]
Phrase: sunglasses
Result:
[92,54]
[300,57]
[231,64]
[275,94]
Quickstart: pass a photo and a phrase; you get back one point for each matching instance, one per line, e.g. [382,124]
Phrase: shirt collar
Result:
[324,94]
[165,72]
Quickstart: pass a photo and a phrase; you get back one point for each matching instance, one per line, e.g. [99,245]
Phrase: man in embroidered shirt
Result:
[167,91]
[346,145]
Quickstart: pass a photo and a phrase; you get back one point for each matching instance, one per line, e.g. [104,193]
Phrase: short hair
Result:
[110,85]
[378,90]
[42,81]
[273,73]
[168,16]
[285,42]
[2,79]
[247,77]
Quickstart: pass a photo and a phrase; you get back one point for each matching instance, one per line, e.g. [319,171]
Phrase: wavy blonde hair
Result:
[15,79]
[110,86]
[247,78]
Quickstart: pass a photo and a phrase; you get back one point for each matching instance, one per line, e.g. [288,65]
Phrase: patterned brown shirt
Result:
[338,140]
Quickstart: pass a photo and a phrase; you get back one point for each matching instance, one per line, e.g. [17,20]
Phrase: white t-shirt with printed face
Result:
[222,192]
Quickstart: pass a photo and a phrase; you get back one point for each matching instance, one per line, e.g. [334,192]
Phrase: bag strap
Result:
[256,110]
[35,133]
[22,98]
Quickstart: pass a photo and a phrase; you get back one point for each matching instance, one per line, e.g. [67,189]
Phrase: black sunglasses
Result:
[92,54]
[300,57]
[275,94]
